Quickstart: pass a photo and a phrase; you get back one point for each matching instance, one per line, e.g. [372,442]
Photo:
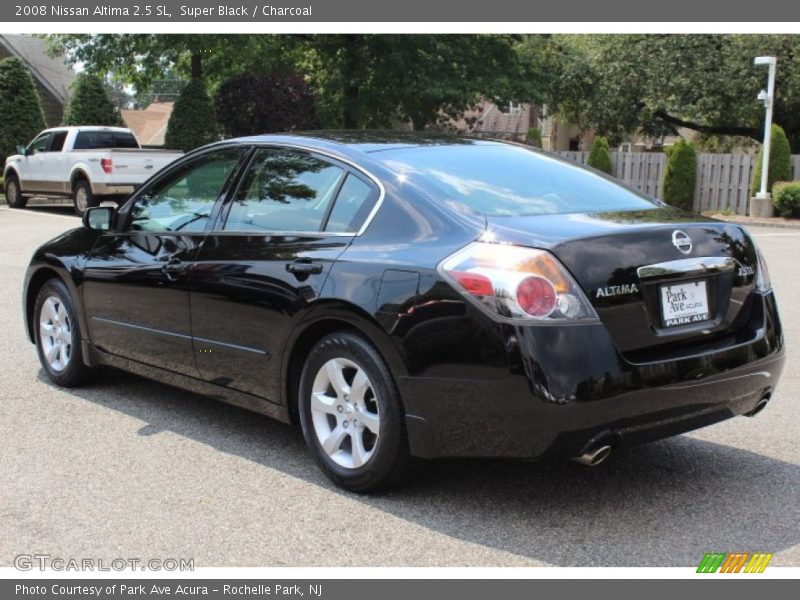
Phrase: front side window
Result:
[183,202]
[40,144]
[284,190]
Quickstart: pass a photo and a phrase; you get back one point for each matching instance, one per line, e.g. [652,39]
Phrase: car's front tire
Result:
[58,335]
[14,197]
[351,415]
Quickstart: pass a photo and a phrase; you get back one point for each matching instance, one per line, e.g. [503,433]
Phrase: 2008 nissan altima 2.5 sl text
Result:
[405,296]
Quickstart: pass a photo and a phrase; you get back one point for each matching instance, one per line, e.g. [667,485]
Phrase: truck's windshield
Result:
[97,140]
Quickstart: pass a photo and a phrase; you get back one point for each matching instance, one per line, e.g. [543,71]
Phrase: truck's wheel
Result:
[83,198]
[14,196]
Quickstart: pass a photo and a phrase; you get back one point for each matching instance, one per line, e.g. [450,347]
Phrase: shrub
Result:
[90,103]
[680,175]
[251,105]
[786,197]
[599,157]
[780,161]
[534,137]
[21,114]
[193,122]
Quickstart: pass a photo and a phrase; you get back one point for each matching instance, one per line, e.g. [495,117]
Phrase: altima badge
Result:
[681,241]
[617,290]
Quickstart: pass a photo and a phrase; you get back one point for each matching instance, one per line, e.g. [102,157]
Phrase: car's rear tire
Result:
[352,417]
[58,335]
[14,197]
[82,197]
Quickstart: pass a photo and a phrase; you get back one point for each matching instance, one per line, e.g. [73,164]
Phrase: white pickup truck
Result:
[88,164]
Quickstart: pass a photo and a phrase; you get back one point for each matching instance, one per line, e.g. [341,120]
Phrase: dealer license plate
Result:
[684,303]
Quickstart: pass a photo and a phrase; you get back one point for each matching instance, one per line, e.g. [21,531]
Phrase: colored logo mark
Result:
[734,562]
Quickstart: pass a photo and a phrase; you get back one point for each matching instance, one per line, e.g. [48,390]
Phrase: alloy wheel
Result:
[345,413]
[55,333]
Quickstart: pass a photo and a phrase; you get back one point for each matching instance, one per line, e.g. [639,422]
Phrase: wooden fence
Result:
[723,180]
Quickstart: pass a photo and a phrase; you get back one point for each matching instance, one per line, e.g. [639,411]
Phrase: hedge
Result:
[534,137]
[780,161]
[680,176]
[193,122]
[91,104]
[599,156]
[786,198]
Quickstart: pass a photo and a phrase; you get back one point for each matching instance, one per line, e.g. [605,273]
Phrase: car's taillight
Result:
[763,281]
[107,165]
[518,283]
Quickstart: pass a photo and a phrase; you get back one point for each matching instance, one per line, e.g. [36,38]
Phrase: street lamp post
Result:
[767,97]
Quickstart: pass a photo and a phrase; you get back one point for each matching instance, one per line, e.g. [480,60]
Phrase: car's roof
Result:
[367,141]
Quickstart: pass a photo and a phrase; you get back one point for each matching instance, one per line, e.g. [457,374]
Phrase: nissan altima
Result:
[405,297]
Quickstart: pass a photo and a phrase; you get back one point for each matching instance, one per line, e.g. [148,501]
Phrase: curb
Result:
[776,224]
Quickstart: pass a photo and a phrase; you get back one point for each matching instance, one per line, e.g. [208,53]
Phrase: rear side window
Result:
[57,143]
[284,190]
[353,204]
[505,180]
[99,140]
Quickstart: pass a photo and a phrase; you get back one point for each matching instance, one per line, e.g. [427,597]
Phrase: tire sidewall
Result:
[91,201]
[15,200]
[391,433]
[75,370]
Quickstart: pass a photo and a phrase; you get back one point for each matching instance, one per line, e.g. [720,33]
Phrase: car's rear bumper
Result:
[573,386]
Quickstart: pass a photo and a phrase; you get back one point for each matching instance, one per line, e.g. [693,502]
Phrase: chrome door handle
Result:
[301,267]
[173,268]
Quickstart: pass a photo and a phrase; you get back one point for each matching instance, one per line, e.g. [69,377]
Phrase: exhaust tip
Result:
[760,405]
[594,456]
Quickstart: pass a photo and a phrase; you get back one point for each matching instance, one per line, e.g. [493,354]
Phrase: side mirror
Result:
[22,150]
[99,218]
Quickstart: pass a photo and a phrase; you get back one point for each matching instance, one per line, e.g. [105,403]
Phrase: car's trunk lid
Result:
[662,281]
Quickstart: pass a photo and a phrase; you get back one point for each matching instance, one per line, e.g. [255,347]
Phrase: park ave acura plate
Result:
[684,303]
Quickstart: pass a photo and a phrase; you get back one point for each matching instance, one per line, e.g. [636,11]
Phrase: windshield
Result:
[504,180]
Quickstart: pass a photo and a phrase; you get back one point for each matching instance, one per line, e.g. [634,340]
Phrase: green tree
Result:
[21,115]
[360,80]
[680,175]
[251,105]
[599,156]
[619,84]
[427,80]
[780,161]
[193,122]
[90,103]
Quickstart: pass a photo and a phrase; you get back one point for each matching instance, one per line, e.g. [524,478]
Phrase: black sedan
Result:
[405,297]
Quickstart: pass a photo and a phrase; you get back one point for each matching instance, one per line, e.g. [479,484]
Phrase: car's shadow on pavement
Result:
[65,210]
[663,504]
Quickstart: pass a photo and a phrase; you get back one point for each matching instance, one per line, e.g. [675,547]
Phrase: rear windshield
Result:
[98,140]
[503,180]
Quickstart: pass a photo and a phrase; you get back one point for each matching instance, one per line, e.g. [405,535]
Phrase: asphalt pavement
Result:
[132,468]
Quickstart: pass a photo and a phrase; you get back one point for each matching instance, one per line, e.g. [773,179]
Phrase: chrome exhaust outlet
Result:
[762,404]
[594,456]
